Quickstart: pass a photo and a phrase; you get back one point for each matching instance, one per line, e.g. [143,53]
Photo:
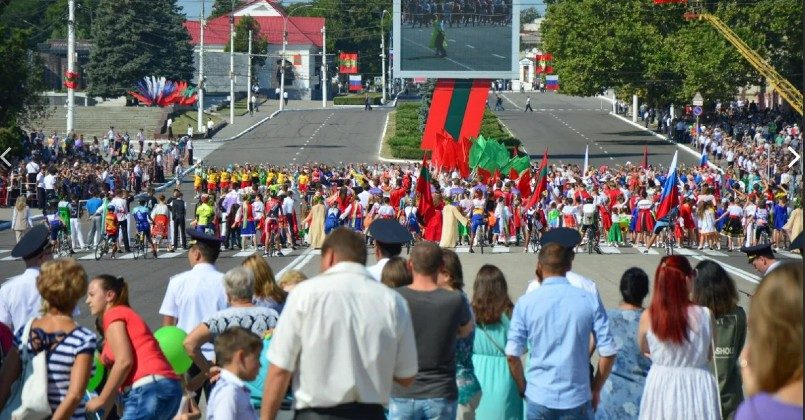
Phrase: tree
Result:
[651,50]
[224,7]
[259,44]
[137,39]
[529,15]
[20,84]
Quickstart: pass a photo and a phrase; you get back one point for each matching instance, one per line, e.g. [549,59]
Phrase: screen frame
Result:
[512,73]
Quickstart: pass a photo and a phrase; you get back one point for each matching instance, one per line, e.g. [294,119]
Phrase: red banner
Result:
[348,63]
[70,80]
[544,63]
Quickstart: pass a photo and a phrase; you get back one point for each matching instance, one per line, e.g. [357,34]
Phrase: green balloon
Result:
[96,378]
[170,340]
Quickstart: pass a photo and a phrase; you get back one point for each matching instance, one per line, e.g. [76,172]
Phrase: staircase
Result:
[96,120]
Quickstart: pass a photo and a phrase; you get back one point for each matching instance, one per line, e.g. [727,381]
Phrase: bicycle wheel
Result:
[135,249]
[101,249]
[482,238]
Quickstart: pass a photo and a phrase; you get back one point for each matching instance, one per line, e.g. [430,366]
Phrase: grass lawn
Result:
[182,119]
[240,109]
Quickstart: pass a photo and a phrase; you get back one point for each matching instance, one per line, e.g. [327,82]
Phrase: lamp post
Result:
[383,54]
[282,58]
[232,64]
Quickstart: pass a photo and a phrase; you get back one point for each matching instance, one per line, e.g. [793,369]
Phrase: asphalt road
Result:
[480,48]
[564,124]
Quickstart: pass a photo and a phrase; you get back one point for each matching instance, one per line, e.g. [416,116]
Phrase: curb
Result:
[684,148]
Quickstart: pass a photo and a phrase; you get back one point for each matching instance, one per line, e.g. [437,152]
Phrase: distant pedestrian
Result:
[277,93]
[499,103]
[210,126]
[285,97]
[367,103]
[528,105]
[251,105]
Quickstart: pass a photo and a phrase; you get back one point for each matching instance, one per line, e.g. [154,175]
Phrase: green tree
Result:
[259,44]
[223,7]
[137,39]
[20,84]
[529,15]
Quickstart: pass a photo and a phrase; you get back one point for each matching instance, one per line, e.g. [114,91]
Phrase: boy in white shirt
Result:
[237,351]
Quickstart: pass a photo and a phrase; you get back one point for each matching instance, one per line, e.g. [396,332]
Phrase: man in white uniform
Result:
[762,258]
[196,294]
[389,236]
[19,297]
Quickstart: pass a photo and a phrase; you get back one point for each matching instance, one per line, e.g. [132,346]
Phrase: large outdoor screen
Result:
[456,38]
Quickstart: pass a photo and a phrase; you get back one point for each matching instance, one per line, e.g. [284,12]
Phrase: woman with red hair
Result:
[677,336]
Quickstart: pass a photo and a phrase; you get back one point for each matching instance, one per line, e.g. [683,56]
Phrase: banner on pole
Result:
[355,83]
[348,63]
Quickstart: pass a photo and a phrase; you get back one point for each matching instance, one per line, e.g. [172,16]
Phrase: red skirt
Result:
[645,221]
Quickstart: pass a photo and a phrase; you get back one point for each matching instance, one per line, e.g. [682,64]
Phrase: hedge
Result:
[404,144]
[357,99]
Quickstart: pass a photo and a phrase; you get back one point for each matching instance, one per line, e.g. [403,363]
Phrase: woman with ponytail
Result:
[677,335]
[139,371]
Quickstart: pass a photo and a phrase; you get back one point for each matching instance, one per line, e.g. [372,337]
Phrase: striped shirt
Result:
[64,348]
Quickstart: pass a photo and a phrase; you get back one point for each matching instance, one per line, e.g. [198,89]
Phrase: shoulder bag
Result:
[29,394]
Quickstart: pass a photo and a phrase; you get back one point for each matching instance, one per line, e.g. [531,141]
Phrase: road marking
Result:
[498,56]
[686,252]
[2,251]
[790,254]
[10,259]
[293,263]
[451,39]
[167,255]
[713,253]
[244,253]
[650,251]
[129,256]
[470,46]
[87,257]
[510,101]
[462,249]
[498,249]
[735,271]
[610,250]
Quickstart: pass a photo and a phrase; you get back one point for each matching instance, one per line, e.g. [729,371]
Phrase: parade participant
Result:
[353,215]
[478,215]
[19,299]
[389,238]
[353,378]
[160,215]
[734,227]
[615,234]
[780,218]
[204,215]
[111,228]
[76,237]
[121,211]
[142,218]
[315,223]
[664,223]
[433,224]
[500,231]
[196,294]
[591,219]
[271,225]
[452,220]
[645,221]
[762,258]
[244,218]
[559,349]
[150,388]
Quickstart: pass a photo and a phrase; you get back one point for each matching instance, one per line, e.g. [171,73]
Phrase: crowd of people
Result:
[415,344]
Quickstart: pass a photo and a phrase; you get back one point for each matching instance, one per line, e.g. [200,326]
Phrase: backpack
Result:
[178,209]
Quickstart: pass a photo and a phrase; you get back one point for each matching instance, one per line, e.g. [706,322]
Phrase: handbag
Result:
[29,393]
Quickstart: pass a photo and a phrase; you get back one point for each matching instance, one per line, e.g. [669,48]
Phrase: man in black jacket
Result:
[177,208]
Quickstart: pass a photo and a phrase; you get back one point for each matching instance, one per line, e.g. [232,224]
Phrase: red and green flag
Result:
[423,190]
[457,107]
[542,181]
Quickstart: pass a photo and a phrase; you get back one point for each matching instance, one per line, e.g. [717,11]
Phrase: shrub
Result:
[357,99]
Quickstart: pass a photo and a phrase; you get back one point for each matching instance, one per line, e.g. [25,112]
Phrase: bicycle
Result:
[668,241]
[139,246]
[480,234]
[764,237]
[103,247]
[63,249]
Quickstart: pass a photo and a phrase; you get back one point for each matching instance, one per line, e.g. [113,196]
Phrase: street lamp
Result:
[282,58]
[383,53]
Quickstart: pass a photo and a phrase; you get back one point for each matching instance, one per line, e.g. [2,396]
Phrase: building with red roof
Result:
[303,50]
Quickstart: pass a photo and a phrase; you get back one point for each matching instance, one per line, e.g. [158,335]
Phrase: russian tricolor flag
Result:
[670,191]
[703,161]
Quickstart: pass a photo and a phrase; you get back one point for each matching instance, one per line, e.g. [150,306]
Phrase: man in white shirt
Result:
[122,214]
[364,196]
[568,238]
[19,297]
[189,147]
[365,354]
[196,294]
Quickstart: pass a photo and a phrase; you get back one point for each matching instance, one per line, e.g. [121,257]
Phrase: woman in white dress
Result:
[706,219]
[677,336]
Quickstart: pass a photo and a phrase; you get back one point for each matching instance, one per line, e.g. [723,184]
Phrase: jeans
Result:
[535,411]
[422,409]
[156,401]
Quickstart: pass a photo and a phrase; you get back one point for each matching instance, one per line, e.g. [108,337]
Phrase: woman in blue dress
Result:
[492,306]
[620,396]
[780,218]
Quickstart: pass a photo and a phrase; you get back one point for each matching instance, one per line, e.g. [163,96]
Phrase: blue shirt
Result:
[555,322]
[93,204]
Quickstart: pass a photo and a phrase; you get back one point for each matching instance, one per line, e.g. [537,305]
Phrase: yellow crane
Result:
[780,84]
